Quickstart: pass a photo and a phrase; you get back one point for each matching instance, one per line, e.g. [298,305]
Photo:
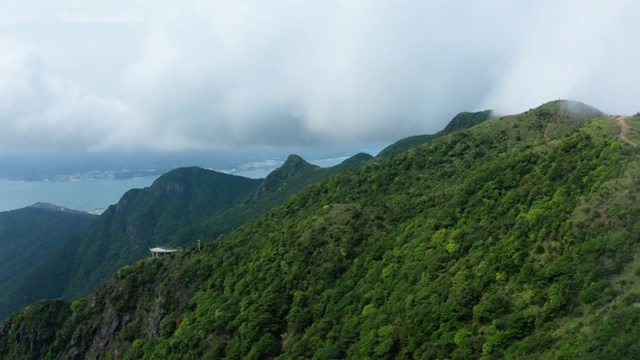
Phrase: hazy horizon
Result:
[160,77]
[79,192]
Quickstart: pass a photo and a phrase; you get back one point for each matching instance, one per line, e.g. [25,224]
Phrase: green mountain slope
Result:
[278,186]
[463,120]
[514,239]
[181,207]
[355,161]
[27,238]
[142,218]
[574,110]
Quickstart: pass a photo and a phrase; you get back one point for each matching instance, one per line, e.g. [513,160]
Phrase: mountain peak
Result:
[294,167]
[49,206]
[294,157]
[191,179]
[294,164]
[574,110]
[463,120]
[466,120]
[183,173]
[580,111]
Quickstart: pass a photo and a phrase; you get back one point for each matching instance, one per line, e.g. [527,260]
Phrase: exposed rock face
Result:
[35,331]
[109,313]
[101,337]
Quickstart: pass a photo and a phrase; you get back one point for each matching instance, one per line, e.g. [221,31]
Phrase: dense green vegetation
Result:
[278,186]
[513,239]
[181,207]
[27,238]
[124,232]
[33,326]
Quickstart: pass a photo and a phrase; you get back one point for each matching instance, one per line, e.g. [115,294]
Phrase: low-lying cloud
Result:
[171,76]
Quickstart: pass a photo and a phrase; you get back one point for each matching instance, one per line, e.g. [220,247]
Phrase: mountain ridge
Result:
[124,232]
[49,206]
[490,242]
[180,207]
[459,122]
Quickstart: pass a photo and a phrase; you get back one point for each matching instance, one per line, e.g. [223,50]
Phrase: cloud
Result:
[289,73]
[40,112]
[174,76]
[83,17]
[579,50]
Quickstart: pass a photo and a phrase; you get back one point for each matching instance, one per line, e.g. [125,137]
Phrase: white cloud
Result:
[575,49]
[40,112]
[170,76]
[284,72]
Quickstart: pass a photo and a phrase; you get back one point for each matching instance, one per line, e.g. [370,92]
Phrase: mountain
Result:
[29,235]
[48,206]
[179,208]
[123,234]
[278,186]
[516,238]
[463,120]
[296,173]
[355,161]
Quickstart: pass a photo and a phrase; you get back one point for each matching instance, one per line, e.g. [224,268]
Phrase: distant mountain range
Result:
[508,237]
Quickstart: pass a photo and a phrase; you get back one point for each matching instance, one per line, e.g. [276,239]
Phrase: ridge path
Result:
[624,129]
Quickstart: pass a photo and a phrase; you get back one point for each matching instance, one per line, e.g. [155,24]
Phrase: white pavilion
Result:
[156,251]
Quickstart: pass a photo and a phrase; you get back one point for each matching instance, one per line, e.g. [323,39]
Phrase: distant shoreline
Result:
[88,195]
[73,178]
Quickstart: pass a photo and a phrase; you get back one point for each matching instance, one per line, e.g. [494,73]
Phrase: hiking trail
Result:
[624,129]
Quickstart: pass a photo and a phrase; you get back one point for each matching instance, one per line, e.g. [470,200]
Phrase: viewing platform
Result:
[156,251]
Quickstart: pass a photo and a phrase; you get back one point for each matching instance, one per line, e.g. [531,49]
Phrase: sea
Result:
[95,195]
[85,195]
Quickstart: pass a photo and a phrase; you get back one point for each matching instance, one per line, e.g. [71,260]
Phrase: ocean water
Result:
[86,195]
[98,194]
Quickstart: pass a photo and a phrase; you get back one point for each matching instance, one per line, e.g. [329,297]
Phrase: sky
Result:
[172,76]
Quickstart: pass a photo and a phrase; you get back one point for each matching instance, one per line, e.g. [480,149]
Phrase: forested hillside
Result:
[278,186]
[516,238]
[181,207]
[28,236]
[124,232]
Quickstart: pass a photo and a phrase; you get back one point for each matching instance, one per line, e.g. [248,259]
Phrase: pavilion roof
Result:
[162,249]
